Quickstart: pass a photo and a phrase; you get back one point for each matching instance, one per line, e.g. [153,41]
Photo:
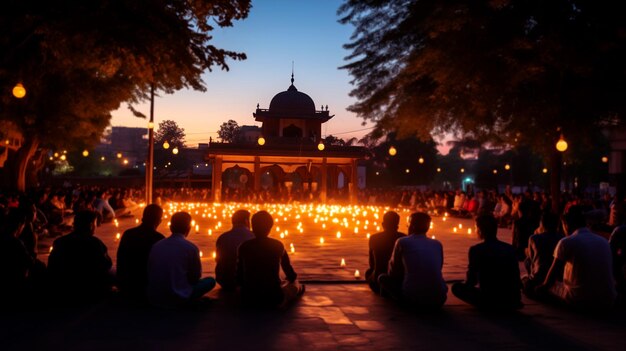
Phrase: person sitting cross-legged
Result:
[380,249]
[415,268]
[226,250]
[133,252]
[539,253]
[258,264]
[493,267]
[79,266]
[584,261]
[174,267]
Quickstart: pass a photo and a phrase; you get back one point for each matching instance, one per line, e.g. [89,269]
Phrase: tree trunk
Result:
[21,162]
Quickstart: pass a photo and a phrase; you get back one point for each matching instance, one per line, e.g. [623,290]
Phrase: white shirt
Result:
[587,276]
[173,268]
[421,259]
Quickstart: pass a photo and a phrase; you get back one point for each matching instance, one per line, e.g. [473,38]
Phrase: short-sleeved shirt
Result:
[587,276]
[173,268]
[418,260]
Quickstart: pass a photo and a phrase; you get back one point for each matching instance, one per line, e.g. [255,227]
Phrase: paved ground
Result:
[330,316]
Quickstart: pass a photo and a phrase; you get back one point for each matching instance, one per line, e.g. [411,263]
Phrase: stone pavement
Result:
[330,315]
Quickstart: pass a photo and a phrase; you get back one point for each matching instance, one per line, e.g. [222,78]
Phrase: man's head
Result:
[241,218]
[85,222]
[419,223]
[549,222]
[487,226]
[152,215]
[391,221]
[262,223]
[180,223]
[574,219]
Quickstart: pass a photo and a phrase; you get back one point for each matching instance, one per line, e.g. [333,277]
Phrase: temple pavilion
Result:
[289,154]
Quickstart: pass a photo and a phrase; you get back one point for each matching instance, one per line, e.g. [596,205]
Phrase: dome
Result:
[292,102]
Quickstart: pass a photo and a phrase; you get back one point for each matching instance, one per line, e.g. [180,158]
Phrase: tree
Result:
[79,66]
[511,72]
[229,131]
[170,131]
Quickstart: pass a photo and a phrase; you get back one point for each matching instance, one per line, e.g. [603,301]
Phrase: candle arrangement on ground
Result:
[324,242]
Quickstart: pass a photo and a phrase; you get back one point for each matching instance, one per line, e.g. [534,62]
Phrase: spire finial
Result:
[291,72]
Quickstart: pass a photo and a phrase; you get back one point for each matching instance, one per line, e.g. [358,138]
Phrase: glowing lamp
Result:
[119,155]
[126,161]
[166,145]
[19,91]
[392,151]
[421,160]
[507,166]
[117,236]
[102,158]
[56,154]
[438,170]
[261,141]
[343,262]
[495,171]
[545,170]
[85,153]
[63,157]
[321,146]
[407,171]
[462,170]
[200,253]
[322,240]
[175,151]
[214,254]
[561,145]
[605,159]
[357,274]
[150,125]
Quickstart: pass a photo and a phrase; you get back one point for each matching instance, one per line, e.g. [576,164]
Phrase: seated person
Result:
[540,249]
[175,269]
[493,267]
[380,249]
[584,261]
[102,206]
[415,267]
[15,261]
[133,252]
[79,266]
[259,261]
[226,250]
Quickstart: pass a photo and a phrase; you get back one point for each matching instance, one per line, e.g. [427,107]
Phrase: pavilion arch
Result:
[292,131]
[237,177]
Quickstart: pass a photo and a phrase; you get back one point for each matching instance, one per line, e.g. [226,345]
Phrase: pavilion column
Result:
[324,185]
[257,173]
[353,187]
[217,179]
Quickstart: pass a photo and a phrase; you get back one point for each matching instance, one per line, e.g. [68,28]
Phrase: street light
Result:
[321,146]
[166,145]
[421,160]
[545,170]
[19,91]
[392,151]
[605,159]
[561,145]
[175,151]
[119,155]
[462,170]
[261,141]
[85,153]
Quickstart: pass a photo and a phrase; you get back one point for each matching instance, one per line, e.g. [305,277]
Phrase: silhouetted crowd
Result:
[576,258]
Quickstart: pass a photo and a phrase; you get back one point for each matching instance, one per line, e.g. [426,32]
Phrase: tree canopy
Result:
[170,131]
[507,71]
[80,61]
[229,132]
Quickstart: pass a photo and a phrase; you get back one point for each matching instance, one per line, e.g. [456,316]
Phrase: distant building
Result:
[131,142]
[249,134]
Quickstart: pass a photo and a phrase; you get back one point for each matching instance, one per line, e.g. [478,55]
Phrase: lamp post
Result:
[150,159]
[555,176]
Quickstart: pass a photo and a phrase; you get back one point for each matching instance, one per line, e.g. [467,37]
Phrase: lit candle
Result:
[197,228]
[214,254]
[136,220]
[200,253]
[210,232]
[454,229]
[357,274]
[460,226]
[321,240]
[338,235]
[50,248]
[343,262]
[469,230]
[118,236]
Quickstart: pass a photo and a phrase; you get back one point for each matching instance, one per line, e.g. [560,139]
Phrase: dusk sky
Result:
[275,33]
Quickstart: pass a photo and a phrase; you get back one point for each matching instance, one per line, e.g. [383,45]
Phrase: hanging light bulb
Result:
[85,153]
[175,151]
[392,151]
[166,145]
[261,141]
[421,160]
[19,91]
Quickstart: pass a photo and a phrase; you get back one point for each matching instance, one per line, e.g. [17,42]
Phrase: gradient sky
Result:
[275,33]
